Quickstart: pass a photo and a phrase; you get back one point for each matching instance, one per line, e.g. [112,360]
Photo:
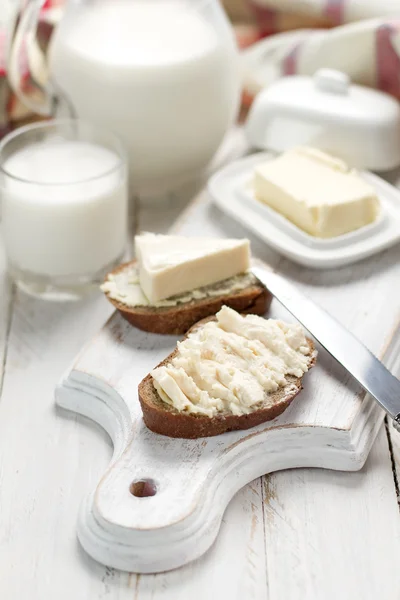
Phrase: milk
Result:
[157,73]
[73,220]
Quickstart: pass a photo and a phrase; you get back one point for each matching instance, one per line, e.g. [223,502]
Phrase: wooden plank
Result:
[48,460]
[333,535]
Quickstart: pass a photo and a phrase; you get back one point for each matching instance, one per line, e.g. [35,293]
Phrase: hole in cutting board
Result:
[143,488]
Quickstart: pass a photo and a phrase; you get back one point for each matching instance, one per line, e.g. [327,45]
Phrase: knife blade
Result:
[373,376]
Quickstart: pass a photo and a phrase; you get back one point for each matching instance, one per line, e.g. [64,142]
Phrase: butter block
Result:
[170,265]
[316,192]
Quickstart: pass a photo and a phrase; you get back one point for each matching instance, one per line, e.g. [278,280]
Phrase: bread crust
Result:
[164,419]
[176,320]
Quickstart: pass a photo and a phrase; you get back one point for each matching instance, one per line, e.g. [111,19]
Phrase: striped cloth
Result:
[12,111]
[280,37]
[287,37]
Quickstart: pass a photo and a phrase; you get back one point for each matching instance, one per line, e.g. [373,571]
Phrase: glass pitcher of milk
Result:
[162,74]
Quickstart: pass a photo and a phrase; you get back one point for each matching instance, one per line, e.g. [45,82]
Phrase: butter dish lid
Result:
[326,111]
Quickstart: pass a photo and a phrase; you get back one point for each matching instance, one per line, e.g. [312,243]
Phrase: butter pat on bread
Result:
[170,265]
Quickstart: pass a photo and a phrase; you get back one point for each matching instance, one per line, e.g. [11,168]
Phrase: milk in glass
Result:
[64,206]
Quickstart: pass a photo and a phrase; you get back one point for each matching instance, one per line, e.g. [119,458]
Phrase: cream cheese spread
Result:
[124,287]
[231,365]
[316,192]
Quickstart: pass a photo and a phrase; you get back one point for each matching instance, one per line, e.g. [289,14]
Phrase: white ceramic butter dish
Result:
[355,123]
[230,189]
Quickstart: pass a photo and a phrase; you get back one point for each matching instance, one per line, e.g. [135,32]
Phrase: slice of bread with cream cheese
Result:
[230,372]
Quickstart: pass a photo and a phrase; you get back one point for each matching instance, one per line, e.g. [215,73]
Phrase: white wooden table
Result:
[300,534]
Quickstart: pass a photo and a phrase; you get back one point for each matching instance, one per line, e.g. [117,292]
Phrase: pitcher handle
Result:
[25,31]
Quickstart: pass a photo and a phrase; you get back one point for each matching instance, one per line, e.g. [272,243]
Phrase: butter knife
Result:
[340,343]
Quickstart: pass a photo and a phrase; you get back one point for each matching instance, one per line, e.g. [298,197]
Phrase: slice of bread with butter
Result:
[230,372]
[177,281]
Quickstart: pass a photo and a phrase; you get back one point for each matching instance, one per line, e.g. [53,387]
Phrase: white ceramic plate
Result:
[230,189]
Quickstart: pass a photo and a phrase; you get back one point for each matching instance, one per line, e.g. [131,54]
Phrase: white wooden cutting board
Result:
[331,424]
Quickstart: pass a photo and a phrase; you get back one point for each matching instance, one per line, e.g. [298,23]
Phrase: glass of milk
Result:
[64,206]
